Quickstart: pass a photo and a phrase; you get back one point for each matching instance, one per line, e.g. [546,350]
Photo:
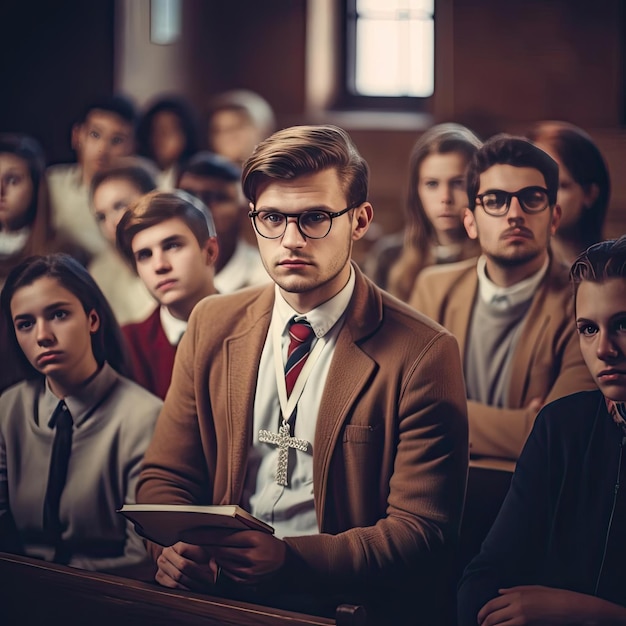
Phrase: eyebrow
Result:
[319,207]
[163,242]
[47,309]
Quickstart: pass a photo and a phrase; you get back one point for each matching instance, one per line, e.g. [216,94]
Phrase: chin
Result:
[615,393]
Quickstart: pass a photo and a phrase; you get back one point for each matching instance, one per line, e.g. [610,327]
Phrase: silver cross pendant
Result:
[284,441]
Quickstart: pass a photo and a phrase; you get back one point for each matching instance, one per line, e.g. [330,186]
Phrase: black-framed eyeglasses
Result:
[497,202]
[312,224]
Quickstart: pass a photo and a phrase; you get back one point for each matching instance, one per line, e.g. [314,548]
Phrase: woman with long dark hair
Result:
[73,433]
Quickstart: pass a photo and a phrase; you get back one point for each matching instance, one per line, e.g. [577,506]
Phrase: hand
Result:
[185,566]
[248,556]
[530,604]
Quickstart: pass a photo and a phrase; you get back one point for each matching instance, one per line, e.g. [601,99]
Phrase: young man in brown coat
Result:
[367,508]
[511,309]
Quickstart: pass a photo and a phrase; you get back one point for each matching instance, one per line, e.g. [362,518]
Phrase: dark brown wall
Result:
[521,61]
[509,63]
[54,58]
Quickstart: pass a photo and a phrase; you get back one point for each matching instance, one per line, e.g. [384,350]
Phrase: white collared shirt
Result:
[506,297]
[172,326]
[291,510]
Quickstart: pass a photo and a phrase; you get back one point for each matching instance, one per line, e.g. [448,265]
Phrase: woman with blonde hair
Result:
[436,200]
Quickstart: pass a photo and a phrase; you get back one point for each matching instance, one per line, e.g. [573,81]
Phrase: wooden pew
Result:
[33,592]
[487,485]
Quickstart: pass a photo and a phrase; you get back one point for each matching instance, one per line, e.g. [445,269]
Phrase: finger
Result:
[493,605]
[192,575]
[168,574]
[199,554]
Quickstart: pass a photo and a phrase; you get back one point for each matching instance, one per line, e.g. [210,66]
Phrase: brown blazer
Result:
[390,449]
[547,362]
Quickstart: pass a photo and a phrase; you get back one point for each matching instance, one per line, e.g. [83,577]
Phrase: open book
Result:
[166,524]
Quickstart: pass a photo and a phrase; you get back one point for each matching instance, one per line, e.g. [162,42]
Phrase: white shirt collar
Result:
[323,317]
[82,402]
[12,242]
[505,297]
[172,326]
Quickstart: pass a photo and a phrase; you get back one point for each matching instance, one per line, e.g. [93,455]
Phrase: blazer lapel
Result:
[459,310]
[243,353]
[348,375]
[529,342]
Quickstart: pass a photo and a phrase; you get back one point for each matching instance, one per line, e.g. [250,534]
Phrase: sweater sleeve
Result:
[514,547]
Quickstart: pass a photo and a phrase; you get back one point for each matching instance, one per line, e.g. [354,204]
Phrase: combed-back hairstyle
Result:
[137,171]
[157,207]
[300,150]
[580,155]
[107,342]
[603,260]
[505,149]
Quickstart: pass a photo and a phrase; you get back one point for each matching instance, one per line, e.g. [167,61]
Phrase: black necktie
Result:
[61,448]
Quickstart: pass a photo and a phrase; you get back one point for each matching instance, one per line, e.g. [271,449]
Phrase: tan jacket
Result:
[390,449]
[547,362]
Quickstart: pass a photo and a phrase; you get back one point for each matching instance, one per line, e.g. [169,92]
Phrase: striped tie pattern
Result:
[301,337]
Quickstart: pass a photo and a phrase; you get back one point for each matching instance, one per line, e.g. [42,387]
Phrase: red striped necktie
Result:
[301,337]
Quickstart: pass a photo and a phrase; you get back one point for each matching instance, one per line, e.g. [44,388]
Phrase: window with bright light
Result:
[390,48]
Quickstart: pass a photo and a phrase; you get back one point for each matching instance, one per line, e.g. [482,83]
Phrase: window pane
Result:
[394,48]
[392,6]
[394,57]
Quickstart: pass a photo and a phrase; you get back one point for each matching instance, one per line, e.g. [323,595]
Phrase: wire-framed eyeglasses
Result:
[497,202]
[312,224]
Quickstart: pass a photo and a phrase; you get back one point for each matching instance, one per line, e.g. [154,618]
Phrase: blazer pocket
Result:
[361,434]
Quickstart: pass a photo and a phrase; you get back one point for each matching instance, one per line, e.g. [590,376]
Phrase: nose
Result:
[446,194]
[110,227]
[45,336]
[606,348]
[292,237]
[160,262]
[516,213]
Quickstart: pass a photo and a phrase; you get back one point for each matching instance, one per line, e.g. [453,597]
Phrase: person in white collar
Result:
[511,310]
[170,240]
[105,132]
[366,492]
[217,182]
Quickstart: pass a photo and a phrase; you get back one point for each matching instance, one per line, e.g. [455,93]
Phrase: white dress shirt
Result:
[290,510]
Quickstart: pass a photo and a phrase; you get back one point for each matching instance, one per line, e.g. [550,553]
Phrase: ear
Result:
[75,138]
[211,250]
[94,321]
[555,219]
[361,220]
[469,221]
[591,195]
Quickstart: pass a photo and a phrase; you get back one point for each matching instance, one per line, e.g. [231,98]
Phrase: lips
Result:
[611,374]
[293,263]
[518,231]
[166,284]
[47,357]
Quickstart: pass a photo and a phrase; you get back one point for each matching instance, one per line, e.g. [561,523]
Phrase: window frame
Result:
[346,98]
